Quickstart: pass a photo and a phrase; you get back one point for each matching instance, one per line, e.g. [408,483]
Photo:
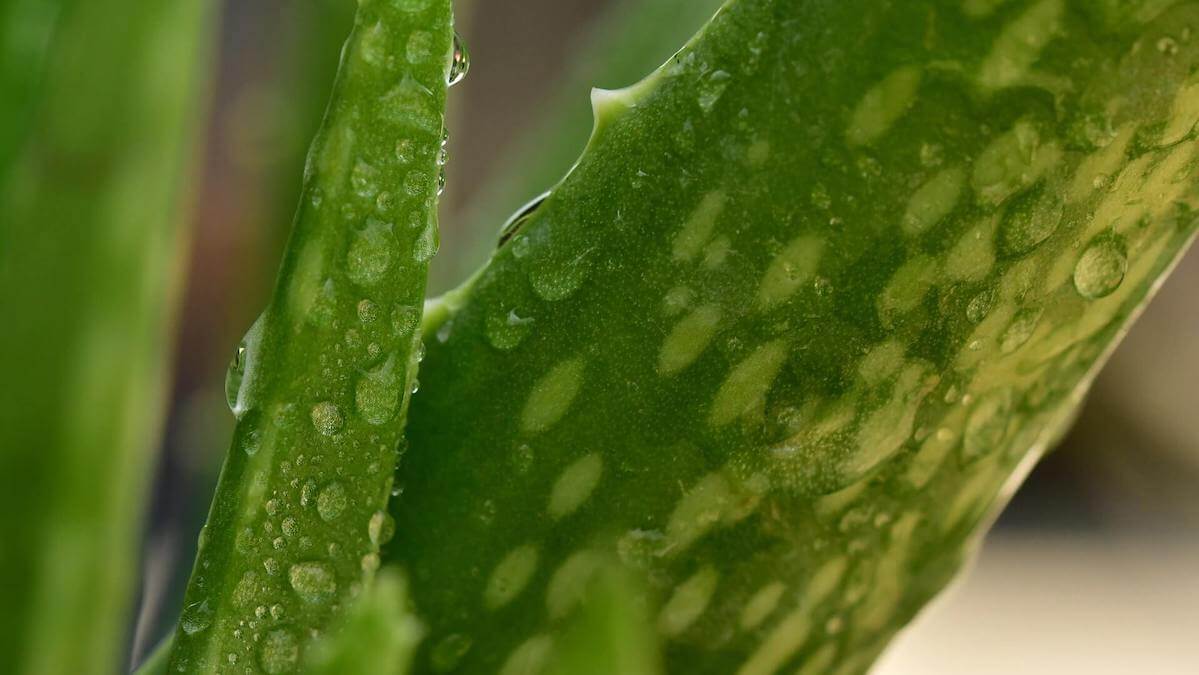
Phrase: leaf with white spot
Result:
[812,327]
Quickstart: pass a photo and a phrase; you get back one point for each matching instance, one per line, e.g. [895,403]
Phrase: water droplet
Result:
[367,311]
[196,617]
[381,528]
[459,61]
[271,566]
[506,331]
[370,563]
[377,394]
[276,612]
[1029,221]
[404,320]
[331,501]
[327,419]
[370,254]
[1020,330]
[415,385]
[522,215]
[553,282]
[427,244]
[1101,269]
[312,581]
[241,367]
[279,652]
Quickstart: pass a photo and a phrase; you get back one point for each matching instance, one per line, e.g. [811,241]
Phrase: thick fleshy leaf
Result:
[100,103]
[816,297]
[320,385]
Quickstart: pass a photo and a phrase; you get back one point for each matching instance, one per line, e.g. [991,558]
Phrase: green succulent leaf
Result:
[100,103]
[818,294]
[376,636]
[321,383]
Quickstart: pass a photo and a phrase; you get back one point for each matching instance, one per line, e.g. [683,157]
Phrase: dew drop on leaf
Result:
[327,418]
[381,528]
[459,61]
[279,652]
[1100,270]
[331,501]
[312,581]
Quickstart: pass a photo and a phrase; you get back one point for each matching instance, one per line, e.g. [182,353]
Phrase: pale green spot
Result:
[780,645]
[307,280]
[1184,114]
[688,602]
[761,605]
[698,229]
[978,9]
[820,662]
[881,362]
[1099,169]
[885,103]
[699,510]
[973,256]
[748,383]
[1013,162]
[758,152]
[575,485]
[886,429]
[934,200]
[908,286]
[568,585]
[794,266]
[552,395]
[688,339]
[1020,44]
[510,576]
[824,582]
[716,252]
[530,658]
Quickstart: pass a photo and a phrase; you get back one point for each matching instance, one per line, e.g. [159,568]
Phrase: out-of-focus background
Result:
[1094,567]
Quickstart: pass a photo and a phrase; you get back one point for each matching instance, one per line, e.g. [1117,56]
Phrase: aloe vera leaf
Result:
[321,384]
[93,194]
[632,38]
[376,636]
[812,303]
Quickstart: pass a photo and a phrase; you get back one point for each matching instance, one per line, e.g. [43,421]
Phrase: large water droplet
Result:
[427,244]
[1029,221]
[279,652]
[312,581]
[381,528]
[241,370]
[327,418]
[1101,269]
[459,61]
[370,254]
[331,501]
[377,394]
[196,617]
[506,331]
[518,219]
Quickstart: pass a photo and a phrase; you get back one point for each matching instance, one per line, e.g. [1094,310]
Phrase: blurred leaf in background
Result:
[92,210]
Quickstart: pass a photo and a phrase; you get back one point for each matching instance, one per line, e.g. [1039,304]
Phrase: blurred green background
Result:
[1094,567]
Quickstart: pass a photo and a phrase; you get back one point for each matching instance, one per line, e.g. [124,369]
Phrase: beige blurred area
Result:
[1093,569]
